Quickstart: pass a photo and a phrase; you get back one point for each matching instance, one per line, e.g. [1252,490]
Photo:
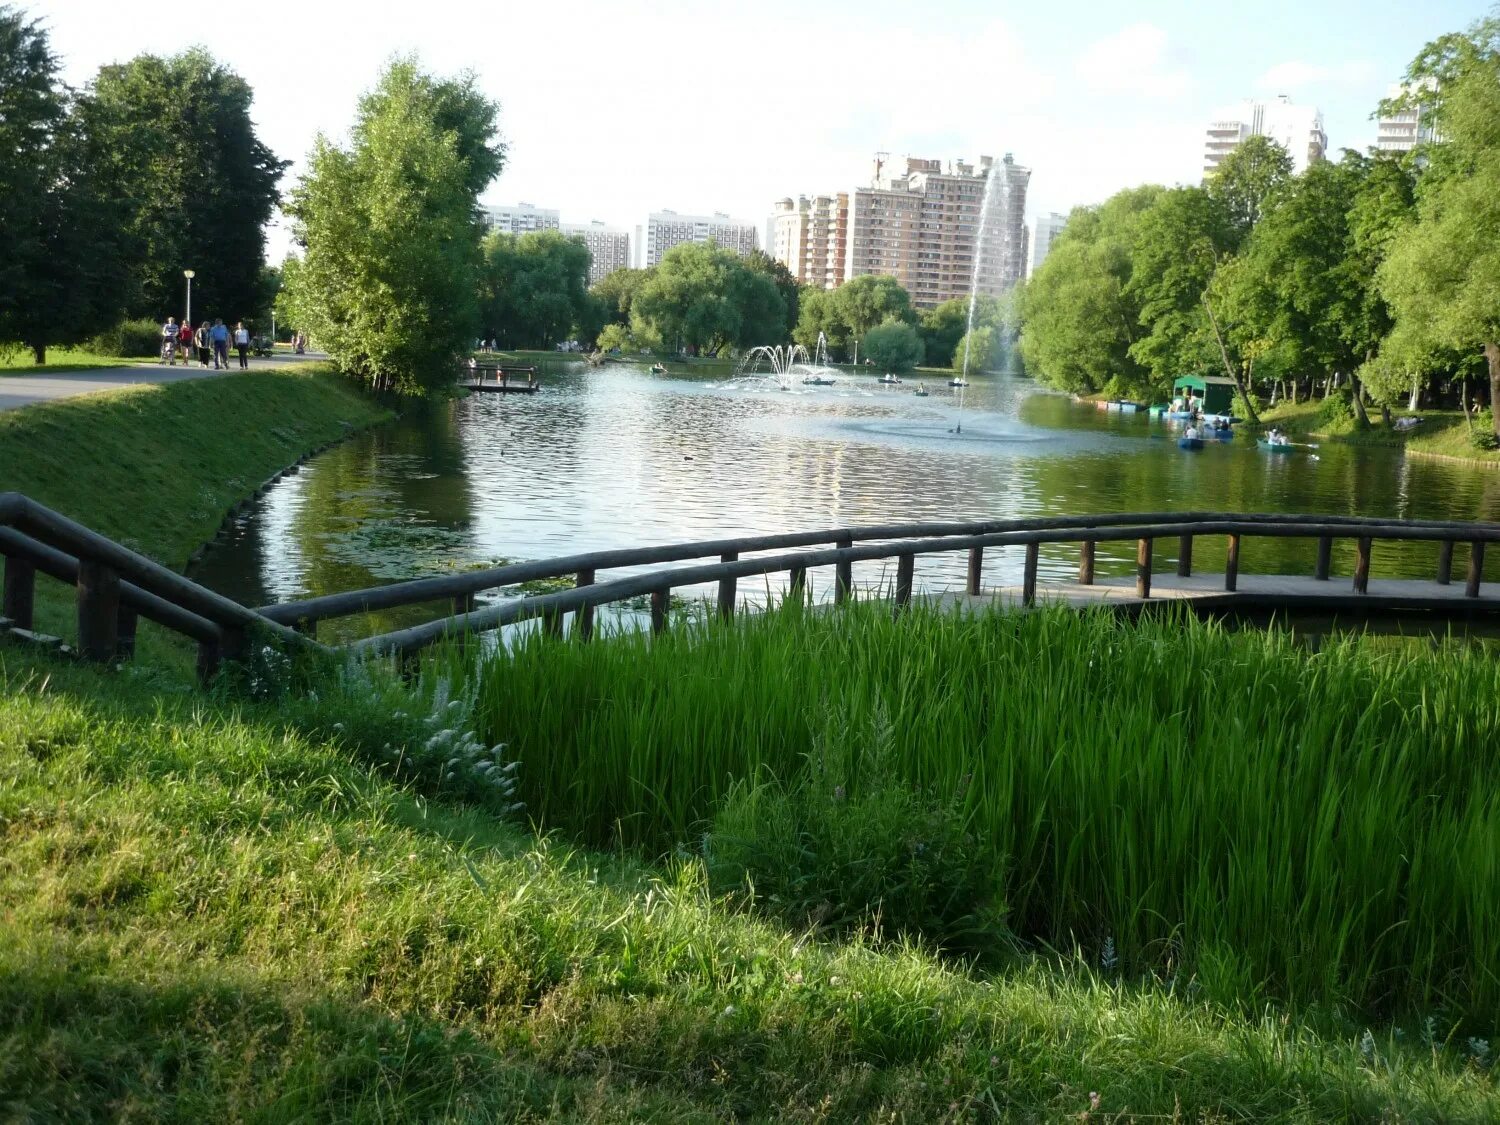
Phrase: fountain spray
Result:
[995,186]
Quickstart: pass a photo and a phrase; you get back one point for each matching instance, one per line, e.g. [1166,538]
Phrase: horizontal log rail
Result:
[729,570]
[307,612]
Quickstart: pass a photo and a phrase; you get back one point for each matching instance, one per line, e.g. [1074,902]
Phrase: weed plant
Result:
[1229,808]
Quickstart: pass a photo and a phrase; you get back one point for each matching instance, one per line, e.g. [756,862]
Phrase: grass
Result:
[1167,785]
[211,911]
[1443,433]
[59,361]
[154,466]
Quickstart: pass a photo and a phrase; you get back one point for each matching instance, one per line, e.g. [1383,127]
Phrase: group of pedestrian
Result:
[207,340]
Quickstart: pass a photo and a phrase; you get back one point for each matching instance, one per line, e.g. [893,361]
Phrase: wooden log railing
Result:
[115,586]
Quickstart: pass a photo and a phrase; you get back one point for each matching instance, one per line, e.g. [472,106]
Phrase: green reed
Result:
[1231,807]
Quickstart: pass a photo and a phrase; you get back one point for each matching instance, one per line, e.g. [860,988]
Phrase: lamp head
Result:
[188,274]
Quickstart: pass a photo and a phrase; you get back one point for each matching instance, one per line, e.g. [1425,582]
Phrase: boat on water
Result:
[1157,410]
[890,380]
[921,392]
[1123,406]
[658,369]
[958,382]
[1275,446]
[817,381]
[1218,433]
[1193,443]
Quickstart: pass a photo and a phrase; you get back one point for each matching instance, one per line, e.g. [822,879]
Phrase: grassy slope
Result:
[207,914]
[1443,433]
[59,360]
[151,465]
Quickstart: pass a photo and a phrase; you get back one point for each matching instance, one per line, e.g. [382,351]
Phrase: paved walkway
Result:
[23,390]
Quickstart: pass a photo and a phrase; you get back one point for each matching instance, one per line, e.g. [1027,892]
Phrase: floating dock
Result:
[498,379]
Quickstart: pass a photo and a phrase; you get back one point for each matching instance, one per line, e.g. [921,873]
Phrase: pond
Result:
[622,457]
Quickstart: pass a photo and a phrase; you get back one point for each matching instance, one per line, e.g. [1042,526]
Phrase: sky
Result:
[611,109]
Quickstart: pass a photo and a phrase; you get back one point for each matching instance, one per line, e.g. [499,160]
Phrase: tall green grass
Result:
[1223,807]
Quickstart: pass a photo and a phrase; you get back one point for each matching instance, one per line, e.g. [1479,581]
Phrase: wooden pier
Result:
[499,378]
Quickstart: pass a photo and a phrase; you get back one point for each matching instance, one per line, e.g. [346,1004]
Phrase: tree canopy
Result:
[533,288]
[174,140]
[894,346]
[390,231]
[704,298]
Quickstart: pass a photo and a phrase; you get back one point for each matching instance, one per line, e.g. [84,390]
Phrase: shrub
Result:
[1336,410]
[1482,436]
[846,845]
[894,346]
[130,339]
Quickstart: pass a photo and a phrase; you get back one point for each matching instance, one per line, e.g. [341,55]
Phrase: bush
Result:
[846,846]
[1482,436]
[985,345]
[1336,410]
[894,346]
[130,339]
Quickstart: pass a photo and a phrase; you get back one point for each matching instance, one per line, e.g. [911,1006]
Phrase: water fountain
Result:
[789,365]
[996,186]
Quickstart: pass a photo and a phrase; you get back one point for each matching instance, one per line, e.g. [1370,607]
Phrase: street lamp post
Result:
[188,316]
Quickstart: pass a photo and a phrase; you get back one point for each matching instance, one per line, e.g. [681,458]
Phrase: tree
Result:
[532,288]
[62,264]
[894,346]
[1246,183]
[818,315]
[786,284]
[617,291]
[388,279]
[175,142]
[978,350]
[1442,276]
[943,326]
[869,300]
[1077,320]
[706,298]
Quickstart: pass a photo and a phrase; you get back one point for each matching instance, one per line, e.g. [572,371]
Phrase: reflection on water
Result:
[620,457]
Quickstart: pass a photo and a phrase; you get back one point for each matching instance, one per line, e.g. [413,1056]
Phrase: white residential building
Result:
[666,229]
[1044,228]
[519,218]
[1296,128]
[1403,131]
[810,238]
[609,247]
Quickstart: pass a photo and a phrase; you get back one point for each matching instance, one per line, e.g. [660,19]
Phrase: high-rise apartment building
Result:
[811,238]
[520,218]
[1044,228]
[1296,128]
[666,229]
[1404,130]
[609,248]
[921,226]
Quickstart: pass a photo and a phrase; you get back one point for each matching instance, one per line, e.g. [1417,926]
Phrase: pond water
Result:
[621,457]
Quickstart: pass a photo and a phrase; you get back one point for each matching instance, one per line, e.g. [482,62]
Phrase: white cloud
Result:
[1134,60]
[1295,74]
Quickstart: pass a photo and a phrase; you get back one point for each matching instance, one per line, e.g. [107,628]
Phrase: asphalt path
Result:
[24,390]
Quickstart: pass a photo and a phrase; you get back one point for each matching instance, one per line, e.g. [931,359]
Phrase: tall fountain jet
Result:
[996,187]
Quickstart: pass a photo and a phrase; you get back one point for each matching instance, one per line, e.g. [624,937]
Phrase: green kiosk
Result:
[1213,393]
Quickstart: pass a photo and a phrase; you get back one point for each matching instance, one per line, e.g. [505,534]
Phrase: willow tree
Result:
[390,230]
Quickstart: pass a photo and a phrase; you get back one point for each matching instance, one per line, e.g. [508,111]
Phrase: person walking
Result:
[169,342]
[202,343]
[185,341]
[242,344]
[220,337]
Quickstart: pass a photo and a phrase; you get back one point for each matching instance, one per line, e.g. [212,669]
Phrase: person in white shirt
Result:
[242,344]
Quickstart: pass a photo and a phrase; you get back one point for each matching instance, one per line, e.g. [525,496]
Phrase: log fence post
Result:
[1232,565]
[796,590]
[906,566]
[1362,565]
[18,603]
[1143,568]
[1325,558]
[1476,569]
[583,620]
[1028,578]
[976,571]
[1185,556]
[728,587]
[98,610]
[661,600]
[1086,563]
[1445,562]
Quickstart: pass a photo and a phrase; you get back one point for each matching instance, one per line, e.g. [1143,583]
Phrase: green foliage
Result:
[174,140]
[705,298]
[865,302]
[943,327]
[1442,272]
[1368,824]
[1483,435]
[533,289]
[1078,321]
[62,262]
[1336,411]
[848,845]
[130,339]
[617,292]
[1246,184]
[894,346]
[387,281]
[786,284]
[817,314]
[977,351]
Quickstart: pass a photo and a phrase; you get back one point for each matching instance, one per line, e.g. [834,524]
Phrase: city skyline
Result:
[1117,101]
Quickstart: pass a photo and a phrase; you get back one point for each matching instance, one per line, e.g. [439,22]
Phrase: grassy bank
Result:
[157,467]
[1166,786]
[212,912]
[1443,433]
[59,361]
